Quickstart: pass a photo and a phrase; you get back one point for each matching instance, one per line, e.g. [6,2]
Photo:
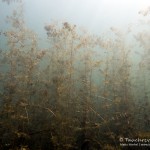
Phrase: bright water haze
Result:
[94,15]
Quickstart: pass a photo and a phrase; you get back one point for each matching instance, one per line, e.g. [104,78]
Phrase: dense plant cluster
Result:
[82,92]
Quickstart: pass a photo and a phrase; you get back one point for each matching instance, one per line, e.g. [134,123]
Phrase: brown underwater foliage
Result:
[82,92]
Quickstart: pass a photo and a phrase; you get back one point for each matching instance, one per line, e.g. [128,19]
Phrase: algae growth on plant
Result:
[74,75]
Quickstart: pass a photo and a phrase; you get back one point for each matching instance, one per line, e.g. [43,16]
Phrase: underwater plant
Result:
[80,91]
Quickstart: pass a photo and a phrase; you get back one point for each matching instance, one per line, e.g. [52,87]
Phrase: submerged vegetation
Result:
[81,92]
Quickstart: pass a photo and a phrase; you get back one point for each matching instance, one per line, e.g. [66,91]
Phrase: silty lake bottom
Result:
[71,89]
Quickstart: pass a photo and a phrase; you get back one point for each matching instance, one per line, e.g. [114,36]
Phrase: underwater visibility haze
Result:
[74,74]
